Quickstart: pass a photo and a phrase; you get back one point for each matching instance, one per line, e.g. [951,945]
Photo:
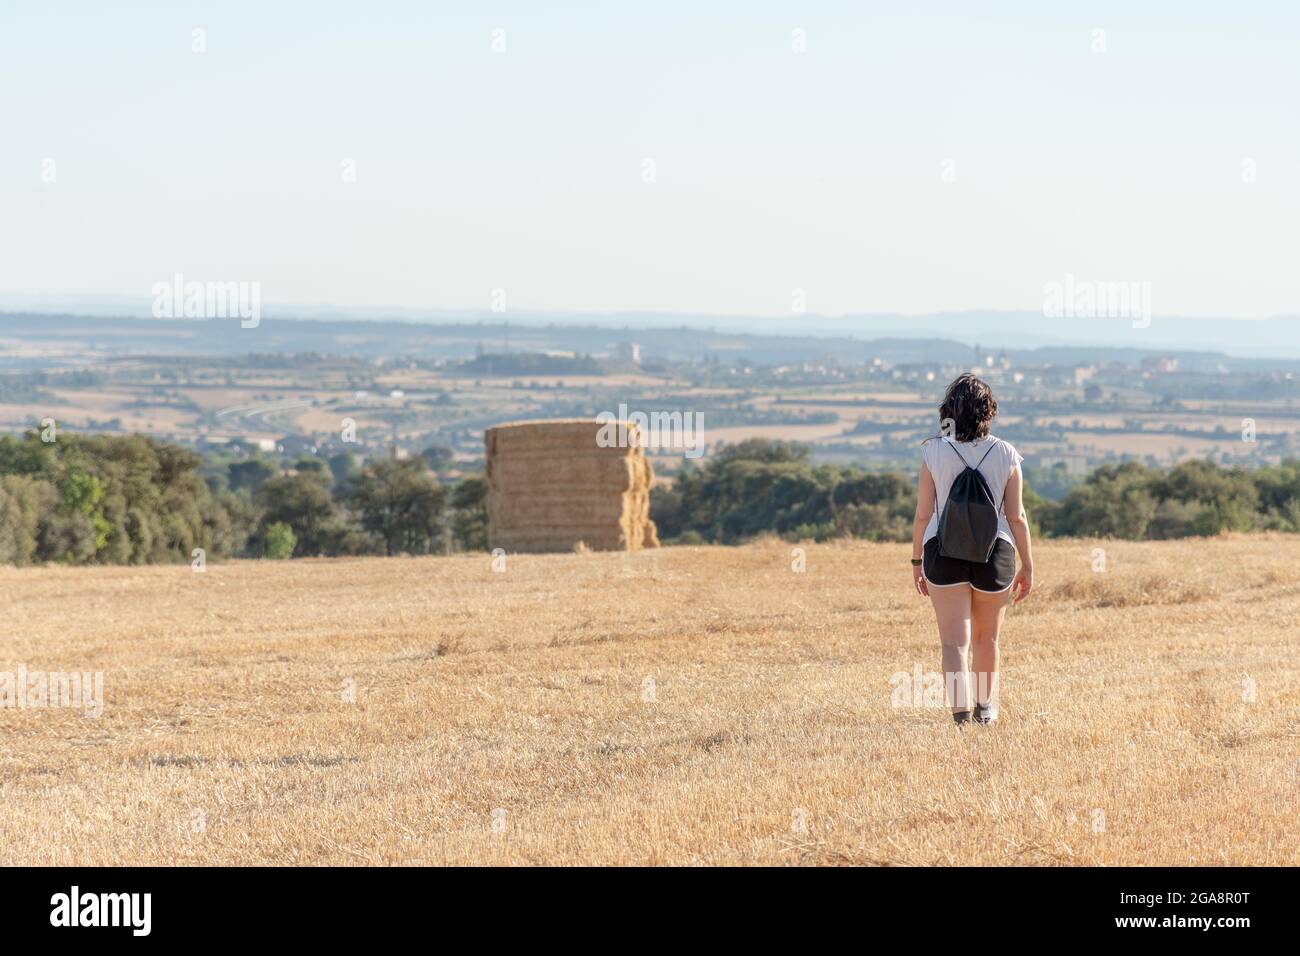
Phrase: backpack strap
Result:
[1002,500]
[960,455]
[963,461]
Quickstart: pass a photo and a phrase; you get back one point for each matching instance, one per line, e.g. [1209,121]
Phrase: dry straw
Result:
[553,486]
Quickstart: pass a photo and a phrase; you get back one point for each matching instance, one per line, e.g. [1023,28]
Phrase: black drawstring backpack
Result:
[968,525]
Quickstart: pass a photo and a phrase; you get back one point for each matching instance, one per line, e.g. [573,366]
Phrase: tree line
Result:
[101,499]
[759,486]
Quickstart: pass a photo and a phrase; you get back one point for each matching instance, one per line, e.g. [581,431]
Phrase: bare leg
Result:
[987,611]
[952,609]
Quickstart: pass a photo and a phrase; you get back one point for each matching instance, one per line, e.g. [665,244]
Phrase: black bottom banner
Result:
[334,906]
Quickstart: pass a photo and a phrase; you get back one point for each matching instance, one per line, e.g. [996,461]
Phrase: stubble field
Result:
[681,706]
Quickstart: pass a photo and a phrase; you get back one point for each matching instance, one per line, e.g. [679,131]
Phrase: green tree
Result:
[25,503]
[1227,498]
[469,518]
[83,494]
[343,466]
[752,487]
[67,537]
[399,501]
[1116,501]
[248,474]
[304,504]
[279,541]
[314,468]
[438,457]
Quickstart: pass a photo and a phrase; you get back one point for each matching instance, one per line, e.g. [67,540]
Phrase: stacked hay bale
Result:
[551,485]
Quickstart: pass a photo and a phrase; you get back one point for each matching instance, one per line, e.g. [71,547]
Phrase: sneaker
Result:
[961,717]
[985,714]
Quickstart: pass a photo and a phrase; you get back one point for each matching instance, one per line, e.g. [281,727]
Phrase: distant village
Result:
[833,404]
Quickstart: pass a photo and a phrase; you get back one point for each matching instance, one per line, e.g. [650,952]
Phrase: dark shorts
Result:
[993,575]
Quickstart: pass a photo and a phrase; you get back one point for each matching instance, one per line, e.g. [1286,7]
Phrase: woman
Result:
[971,598]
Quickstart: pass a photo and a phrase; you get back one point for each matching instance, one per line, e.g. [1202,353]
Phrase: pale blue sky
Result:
[523,170]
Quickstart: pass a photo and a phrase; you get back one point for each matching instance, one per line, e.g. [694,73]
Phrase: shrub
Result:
[279,541]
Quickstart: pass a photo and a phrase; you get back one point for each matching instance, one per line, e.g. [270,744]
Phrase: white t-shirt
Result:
[1002,459]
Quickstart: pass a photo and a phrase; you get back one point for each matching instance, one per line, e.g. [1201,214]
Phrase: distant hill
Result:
[1277,337]
[61,339]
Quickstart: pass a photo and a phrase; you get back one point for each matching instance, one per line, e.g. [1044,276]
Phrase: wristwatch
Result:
[916,562]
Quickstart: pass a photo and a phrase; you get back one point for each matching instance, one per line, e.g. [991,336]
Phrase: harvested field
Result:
[679,705]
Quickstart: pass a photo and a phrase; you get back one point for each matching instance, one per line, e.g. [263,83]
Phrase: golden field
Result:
[680,706]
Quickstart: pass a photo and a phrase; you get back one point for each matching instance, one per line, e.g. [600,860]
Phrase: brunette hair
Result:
[970,405]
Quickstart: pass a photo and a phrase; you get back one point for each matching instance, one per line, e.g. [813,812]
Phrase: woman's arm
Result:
[924,508]
[1014,506]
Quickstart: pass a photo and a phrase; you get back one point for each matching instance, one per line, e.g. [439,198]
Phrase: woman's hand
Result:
[1023,583]
[918,581]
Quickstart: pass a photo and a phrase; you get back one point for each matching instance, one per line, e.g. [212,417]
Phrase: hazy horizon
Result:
[1275,337]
